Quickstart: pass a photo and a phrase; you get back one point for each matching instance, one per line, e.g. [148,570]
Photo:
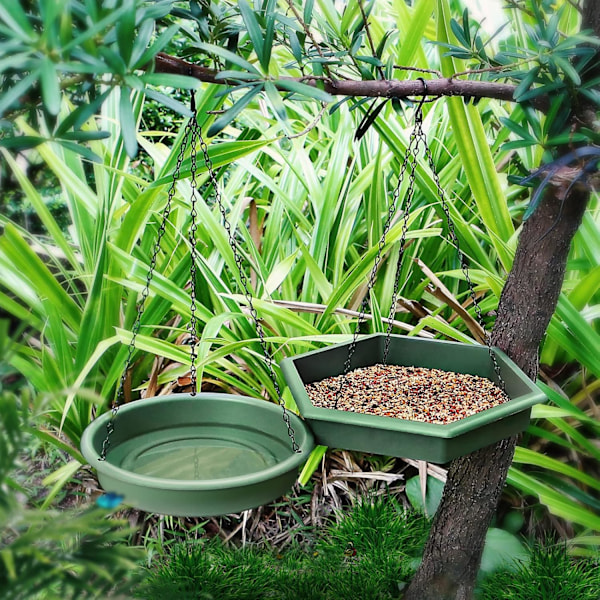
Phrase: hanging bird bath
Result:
[203,455]
[196,454]
[400,437]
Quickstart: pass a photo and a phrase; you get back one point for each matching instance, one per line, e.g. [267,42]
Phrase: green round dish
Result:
[203,455]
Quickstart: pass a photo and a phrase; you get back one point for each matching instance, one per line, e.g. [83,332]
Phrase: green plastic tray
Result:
[203,455]
[411,439]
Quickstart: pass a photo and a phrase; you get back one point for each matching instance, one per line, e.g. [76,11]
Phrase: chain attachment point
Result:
[419,109]
[119,400]
[417,137]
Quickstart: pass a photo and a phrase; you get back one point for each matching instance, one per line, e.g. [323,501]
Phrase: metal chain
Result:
[412,151]
[193,324]
[464,261]
[110,427]
[408,205]
[244,281]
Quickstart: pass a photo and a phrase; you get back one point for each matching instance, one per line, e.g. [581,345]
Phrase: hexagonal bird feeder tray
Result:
[412,439]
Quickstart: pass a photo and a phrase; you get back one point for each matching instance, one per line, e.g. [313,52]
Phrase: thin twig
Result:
[306,28]
[490,69]
[310,127]
[418,69]
[370,38]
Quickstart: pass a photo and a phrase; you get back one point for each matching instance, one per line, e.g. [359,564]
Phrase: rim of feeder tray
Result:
[134,445]
[391,436]
[515,380]
[197,455]
[462,436]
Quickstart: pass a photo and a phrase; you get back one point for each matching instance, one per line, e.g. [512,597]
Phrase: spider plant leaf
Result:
[311,464]
[229,115]
[474,149]
[58,479]
[83,151]
[554,500]
[279,272]
[527,456]
[413,26]
[586,289]
[128,123]
[28,265]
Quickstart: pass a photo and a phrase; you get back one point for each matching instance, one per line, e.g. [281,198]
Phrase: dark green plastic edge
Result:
[412,439]
[203,497]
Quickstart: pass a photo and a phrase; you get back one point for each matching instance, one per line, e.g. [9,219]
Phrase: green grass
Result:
[550,574]
[370,553]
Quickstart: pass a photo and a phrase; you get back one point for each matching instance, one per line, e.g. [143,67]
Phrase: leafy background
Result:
[308,229]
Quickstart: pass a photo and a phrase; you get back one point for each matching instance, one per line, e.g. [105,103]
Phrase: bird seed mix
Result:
[411,393]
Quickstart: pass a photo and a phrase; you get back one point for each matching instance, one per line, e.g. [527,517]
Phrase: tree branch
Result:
[164,63]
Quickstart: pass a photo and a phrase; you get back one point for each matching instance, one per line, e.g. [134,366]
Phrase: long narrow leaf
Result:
[475,152]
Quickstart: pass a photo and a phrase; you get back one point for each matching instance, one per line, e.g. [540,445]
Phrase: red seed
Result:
[412,393]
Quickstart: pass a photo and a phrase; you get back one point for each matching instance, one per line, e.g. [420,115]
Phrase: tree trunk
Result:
[453,551]
[475,482]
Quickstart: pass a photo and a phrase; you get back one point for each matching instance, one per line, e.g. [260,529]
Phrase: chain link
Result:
[414,139]
[417,137]
[412,151]
[464,261]
[193,324]
[244,282]
[110,428]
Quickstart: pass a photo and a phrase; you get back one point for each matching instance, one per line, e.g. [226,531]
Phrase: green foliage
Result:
[501,551]
[83,49]
[309,236]
[43,554]
[76,555]
[550,573]
[424,500]
[547,63]
[367,554]
[502,547]
[89,258]
[12,415]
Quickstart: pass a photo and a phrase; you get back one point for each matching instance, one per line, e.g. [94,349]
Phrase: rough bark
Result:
[453,551]
[475,482]
[380,88]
